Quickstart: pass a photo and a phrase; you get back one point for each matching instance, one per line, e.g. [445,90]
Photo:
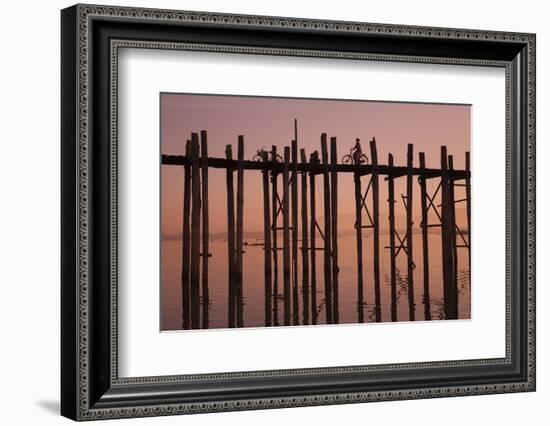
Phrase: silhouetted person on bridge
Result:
[357,153]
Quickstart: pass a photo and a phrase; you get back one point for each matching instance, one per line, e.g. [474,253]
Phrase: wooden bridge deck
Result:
[277,167]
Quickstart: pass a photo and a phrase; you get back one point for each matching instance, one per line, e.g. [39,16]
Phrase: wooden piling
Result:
[359,239]
[410,262]
[274,210]
[267,245]
[186,242]
[391,217]
[446,241]
[294,204]
[376,230]
[468,211]
[205,229]
[327,231]
[195,232]
[313,160]
[425,248]
[452,227]
[286,237]
[334,226]
[305,244]
[231,313]
[239,236]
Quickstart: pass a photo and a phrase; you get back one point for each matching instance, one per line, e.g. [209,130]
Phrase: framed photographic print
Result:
[263,212]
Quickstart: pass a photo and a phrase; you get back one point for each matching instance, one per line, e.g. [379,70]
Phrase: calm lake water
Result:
[253,283]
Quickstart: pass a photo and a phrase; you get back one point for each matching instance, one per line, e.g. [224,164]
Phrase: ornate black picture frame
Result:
[91,387]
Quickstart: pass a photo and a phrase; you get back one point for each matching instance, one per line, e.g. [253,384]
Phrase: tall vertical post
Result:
[376,230]
[232,293]
[305,244]
[359,238]
[274,210]
[425,248]
[294,203]
[446,241]
[391,217]
[286,237]
[452,226]
[267,243]
[186,242]
[314,159]
[327,236]
[239,237]
[468,211]
[410,262]
[334,225]
[205,228]
[195,232]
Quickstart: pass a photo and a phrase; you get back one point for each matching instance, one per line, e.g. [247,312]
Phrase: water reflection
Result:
[355,305]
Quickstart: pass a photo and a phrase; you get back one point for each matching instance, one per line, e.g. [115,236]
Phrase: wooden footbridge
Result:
[280,213]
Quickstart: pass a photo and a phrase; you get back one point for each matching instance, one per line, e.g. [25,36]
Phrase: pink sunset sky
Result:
[270,121]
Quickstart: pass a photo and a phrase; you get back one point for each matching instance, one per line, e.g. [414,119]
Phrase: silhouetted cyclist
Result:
[357,153]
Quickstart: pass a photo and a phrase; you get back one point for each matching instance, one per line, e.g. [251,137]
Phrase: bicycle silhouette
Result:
[355,155]
[263,155]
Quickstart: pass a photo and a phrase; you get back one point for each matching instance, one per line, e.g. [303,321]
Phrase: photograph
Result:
[279,211]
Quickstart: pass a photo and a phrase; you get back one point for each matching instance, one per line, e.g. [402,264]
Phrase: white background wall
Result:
[29,211]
